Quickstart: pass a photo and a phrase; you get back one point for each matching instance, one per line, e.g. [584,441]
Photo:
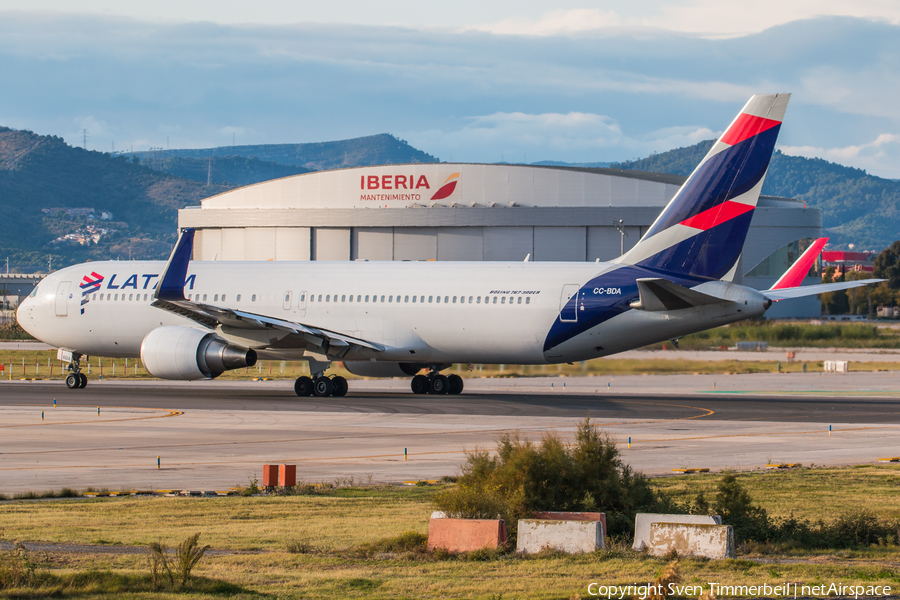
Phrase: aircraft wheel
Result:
[420,384]
[439,384]
[303,386]
[82,380]
[456,384]
[340,386]
[322,387]
[73,382]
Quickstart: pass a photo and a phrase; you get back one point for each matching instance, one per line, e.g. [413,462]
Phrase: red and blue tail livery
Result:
[702,230]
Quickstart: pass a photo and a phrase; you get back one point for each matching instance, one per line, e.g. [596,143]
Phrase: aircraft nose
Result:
[25,316]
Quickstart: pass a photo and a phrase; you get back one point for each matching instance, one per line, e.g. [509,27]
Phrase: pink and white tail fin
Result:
[794,276]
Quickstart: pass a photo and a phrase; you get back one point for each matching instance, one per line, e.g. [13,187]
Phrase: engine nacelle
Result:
[187,353]
[383,369]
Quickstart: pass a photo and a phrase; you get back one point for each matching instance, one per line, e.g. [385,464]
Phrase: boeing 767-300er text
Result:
[196,320]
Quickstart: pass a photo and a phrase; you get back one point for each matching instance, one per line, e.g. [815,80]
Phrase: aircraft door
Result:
[301,303]
[62,299]
[568,312]
[287,300]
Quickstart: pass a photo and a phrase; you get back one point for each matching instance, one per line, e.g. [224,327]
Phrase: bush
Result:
[408,542]
[17,570]
[525,477]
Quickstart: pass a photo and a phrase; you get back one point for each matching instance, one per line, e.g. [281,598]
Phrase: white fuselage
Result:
[478,312]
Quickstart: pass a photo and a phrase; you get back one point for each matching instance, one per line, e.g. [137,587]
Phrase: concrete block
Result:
[270,476]
[643,520]
[572,537]
[287,475]
[465,535]
[692,539]
[574,516]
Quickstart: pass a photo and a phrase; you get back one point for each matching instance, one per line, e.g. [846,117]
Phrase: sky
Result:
[466,81]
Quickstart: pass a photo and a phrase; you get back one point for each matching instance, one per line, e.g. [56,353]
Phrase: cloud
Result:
[881,155]
[573,137]
[712,19]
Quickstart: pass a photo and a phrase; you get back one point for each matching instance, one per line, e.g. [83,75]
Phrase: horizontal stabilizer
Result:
[822,288]
[662,294]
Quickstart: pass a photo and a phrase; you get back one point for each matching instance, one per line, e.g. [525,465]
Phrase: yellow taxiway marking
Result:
[169,413]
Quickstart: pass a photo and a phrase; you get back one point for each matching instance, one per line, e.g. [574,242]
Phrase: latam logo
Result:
[403,187]
[90,284]
[136,281]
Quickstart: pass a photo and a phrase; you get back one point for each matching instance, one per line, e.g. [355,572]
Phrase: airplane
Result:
[196,320]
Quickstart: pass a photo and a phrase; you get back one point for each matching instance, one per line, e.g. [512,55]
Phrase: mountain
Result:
[224,170]
[857,208]
[382,149]
[47,189]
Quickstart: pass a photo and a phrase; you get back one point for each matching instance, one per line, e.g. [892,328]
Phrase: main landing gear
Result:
[435,383]
[321,386]
[76,380]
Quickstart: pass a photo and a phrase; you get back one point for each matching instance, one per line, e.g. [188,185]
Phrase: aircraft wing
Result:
[169,296]
[810,290]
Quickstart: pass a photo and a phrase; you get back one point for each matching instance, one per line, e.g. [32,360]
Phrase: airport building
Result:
[466,212]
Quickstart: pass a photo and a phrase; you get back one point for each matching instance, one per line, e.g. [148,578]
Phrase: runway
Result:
[213,435]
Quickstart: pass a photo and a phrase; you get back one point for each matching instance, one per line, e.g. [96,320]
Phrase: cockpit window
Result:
[33,292]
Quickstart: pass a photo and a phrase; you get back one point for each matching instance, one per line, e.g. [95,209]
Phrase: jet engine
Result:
[383,369]
[186,353]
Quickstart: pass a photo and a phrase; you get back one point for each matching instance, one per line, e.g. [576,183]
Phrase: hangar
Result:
[475,212]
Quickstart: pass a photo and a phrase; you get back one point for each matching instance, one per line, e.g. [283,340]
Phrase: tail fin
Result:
[794,276]
[702,230]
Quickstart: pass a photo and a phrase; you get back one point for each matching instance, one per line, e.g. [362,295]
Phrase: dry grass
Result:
[43,365]
[338,526]
[806,493]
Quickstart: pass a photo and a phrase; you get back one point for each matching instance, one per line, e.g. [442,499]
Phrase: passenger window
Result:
[454,299]
[343,297]
[253,298]
[520,300]
[528,300]
[302,297]
[478,300]
[470,299]
[359,298]
[367,297]
[503,300]
[406,298]
[446,299]
[117,297]
[216,298]
[130,296]
[430,299]
[382,298]
[94,297]
[414,299]
[238,297]
[495,299]
[320,297]
[351,297]
[223,297]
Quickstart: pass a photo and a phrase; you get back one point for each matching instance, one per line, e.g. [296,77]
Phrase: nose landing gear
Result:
[76,379]
[435,383]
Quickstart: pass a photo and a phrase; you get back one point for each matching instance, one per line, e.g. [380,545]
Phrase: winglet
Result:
[794,276]
[171,287]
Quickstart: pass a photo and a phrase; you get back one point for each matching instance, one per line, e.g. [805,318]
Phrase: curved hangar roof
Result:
[447,184]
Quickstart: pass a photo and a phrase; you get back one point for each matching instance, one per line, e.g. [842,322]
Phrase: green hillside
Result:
[382,149]
[42,172]
[857,208]
[224,170]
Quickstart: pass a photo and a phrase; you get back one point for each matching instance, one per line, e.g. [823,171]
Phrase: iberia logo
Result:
[90,284]
[447,188]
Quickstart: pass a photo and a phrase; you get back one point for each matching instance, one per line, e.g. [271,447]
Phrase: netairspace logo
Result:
[643,592]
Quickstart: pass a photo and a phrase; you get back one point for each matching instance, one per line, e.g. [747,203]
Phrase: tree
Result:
[887,265]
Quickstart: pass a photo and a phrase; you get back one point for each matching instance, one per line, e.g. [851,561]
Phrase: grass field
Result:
[32,364]
[331,531]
